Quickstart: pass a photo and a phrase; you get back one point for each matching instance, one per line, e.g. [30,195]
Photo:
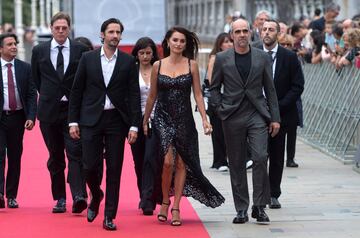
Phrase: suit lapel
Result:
[253,57]
[1,88]
[48,58]
[71,57]
[98,66]
[234,70]
[279,59]
[18,76]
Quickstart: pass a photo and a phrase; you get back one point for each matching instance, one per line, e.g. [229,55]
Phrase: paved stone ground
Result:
[320,199]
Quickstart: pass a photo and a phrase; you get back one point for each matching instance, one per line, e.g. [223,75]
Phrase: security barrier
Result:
[331,102]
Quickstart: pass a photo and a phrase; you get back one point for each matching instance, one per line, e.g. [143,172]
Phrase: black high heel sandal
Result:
[162,217]
[175,222]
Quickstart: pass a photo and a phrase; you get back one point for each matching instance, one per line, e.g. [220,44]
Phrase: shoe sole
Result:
[242,222]
[58,211]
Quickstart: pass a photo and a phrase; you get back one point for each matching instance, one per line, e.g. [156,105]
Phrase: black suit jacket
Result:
[50,87]
[289,84]
[25,87]
[226,74]
[87,97]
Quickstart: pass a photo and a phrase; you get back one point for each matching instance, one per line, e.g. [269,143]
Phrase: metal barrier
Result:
[331,102]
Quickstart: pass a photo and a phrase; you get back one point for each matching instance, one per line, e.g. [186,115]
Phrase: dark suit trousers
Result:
[218,142]
[291,142]
[11,143]
[57,139]
[276,159]
[245,131]
[148,148]
[138,152]
[111,132]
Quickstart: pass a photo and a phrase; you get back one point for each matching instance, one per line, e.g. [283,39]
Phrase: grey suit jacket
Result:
[225,74]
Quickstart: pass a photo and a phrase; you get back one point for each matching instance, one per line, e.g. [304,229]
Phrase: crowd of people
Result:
[89,101]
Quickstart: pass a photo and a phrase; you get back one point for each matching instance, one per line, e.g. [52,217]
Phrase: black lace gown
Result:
[175,126]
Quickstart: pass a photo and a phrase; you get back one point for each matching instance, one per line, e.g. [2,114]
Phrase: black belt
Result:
[9,113]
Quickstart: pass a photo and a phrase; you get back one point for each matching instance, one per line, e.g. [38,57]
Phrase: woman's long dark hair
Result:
[142,43]
[192,42]
[218,42]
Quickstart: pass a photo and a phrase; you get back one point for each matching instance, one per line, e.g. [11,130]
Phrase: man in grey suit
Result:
[248,117]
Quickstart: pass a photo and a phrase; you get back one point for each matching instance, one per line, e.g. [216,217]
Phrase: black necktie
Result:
[270,52]
[60,63]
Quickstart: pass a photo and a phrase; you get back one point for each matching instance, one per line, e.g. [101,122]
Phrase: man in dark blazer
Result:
[289,84]
[54,64]
[18,111]
[247,117]
[105,108]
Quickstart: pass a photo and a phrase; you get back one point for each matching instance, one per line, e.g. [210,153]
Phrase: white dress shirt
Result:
[144,93]
[107,66]
[273,56]
[54,51]
[4,70]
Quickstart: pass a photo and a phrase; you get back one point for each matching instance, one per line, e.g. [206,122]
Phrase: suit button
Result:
[103,104]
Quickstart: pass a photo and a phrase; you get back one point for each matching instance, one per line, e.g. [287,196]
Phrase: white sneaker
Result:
[223,168]
[249,164]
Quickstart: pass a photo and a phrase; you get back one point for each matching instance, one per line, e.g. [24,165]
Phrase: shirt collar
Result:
[4,62]
[274,50]
[54,43]
[102,53]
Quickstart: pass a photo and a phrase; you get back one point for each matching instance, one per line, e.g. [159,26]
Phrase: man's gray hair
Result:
[267,13]
[248,24]
[332,7]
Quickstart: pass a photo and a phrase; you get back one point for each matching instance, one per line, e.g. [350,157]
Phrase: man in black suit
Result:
[54,64]
[18,104]
[289,84]
[247,117]
[105,104]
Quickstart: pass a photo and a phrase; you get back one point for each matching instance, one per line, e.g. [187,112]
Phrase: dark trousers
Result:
[218,142]
[57,139]
[247,131]
[276,159]
[110,132]
[291,143]
[147,160]
[11,144]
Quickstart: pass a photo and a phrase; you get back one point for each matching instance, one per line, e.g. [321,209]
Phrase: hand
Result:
[29,124]
[145,129]
[207,127]
[274,128]
[132,136]
[74,132]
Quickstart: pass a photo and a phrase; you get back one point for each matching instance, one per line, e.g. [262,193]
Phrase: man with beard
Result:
[247,118]
[105,103]
[289,84]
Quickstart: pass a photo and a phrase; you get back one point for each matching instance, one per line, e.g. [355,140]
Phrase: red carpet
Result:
[34,217]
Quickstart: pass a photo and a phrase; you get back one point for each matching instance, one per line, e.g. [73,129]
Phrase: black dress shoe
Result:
[12,203]
[259,214]
[79,204]
[291,164]
[108,224]
[93,208]
[60,206]
[274,204]
[241,217]
[148,211]
[2,201]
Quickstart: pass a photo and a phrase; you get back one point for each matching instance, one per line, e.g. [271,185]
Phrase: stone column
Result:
[48,12]
[55,6]
[19,28]
[296,9]
[42,13]
[33,14]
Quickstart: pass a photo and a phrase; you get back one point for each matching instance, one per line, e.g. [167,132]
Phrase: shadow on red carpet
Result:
[34,217]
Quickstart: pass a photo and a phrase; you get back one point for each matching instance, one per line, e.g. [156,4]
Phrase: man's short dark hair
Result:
[61,16]
[296,28]
[276,22]
[6,35]
[109,21]
[317,12]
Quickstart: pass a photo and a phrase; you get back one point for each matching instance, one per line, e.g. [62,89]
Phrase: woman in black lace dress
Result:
[171,81]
